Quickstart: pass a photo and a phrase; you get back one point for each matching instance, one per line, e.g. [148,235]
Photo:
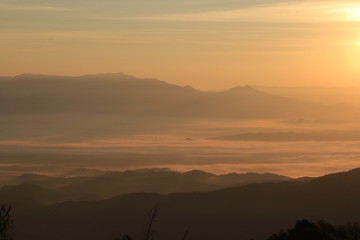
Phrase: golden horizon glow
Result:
[290,12]
[210,46]
[355,13]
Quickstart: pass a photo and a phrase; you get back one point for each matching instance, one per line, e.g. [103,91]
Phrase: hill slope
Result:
[252,211]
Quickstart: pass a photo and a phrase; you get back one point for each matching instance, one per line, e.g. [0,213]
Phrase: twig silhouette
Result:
[5,222]
[150,233]
[186,234]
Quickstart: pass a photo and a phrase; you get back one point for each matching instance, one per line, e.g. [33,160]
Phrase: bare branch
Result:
[5,222]
[186,234]
[149,234]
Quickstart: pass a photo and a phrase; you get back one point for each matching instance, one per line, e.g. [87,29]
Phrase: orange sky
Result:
[205,44]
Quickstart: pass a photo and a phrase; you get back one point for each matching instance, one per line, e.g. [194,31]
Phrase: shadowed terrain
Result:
[45,189]
[233,213]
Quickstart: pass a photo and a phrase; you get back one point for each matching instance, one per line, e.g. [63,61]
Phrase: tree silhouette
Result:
[125,237]
[150,232]
[306,230]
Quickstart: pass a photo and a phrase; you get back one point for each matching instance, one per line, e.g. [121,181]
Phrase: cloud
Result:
[5,7]
[171,151]
[285,12]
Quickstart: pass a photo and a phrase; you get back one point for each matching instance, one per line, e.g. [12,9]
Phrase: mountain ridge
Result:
[122,94]
[245,210]
[110,184]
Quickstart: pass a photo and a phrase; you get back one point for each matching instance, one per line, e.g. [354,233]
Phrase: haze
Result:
[236,118]
[56,124]
[206,44]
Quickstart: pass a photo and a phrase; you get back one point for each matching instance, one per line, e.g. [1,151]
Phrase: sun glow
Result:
[355,14]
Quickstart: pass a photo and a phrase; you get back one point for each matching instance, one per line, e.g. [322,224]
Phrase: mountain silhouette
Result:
[127,95]
[244,102]
[107,185]
[251,211]
[105,93]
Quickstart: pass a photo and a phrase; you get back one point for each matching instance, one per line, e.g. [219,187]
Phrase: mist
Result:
[53,124]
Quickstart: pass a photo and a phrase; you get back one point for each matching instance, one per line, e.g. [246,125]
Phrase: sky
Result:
[208,44]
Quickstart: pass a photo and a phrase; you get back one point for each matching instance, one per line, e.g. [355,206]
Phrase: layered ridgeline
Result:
[252,211]
[128,95]
[88,184]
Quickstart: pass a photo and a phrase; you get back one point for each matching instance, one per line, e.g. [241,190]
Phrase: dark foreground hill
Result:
[252,211]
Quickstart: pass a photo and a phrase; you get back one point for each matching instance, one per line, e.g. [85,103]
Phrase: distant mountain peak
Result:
[105,76]
[35,76]
[118,75]
[241,89]
[244,90]
[189,87]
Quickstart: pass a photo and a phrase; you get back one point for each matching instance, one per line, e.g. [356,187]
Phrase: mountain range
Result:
[253,211]
[104,185]
[127,95]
